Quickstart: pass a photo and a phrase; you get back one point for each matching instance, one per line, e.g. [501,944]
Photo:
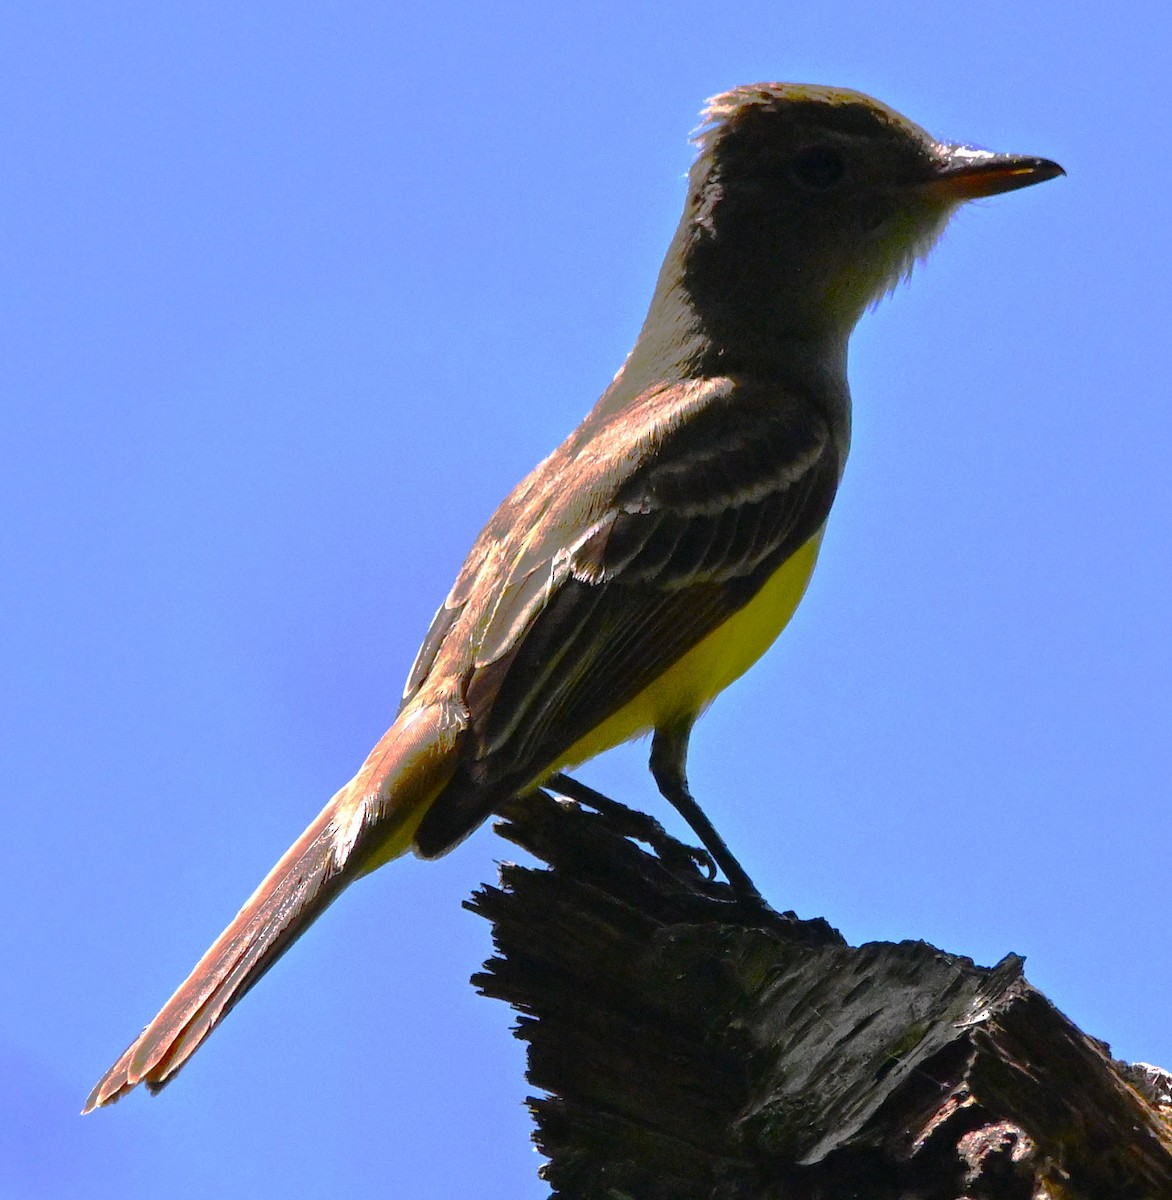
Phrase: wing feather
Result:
[688,538]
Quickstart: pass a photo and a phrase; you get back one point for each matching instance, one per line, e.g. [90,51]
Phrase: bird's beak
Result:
[964,173]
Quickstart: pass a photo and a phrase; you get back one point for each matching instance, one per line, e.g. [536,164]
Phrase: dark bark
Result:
[690,1047]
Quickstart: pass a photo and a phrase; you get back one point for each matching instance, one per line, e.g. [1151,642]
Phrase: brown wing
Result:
[687,539]
[506,577]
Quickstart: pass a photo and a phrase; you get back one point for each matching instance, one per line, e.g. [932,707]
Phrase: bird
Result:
[654,556]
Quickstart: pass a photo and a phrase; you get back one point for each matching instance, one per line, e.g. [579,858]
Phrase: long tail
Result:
[370,821]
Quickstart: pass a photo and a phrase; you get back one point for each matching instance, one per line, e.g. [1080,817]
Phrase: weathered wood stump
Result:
[692,1048]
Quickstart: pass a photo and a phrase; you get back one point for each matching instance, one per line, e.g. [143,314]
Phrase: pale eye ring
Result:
[819,167]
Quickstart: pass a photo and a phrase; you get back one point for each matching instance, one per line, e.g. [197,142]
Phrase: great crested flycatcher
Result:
[657,552]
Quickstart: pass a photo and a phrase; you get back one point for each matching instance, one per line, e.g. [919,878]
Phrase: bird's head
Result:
[807,204]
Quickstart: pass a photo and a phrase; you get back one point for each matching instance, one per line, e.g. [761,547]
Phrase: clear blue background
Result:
[292,293]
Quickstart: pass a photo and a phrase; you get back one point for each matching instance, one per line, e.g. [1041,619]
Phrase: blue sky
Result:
[293,293]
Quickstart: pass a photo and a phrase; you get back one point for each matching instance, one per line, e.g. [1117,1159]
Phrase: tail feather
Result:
[371,820]
[293,894]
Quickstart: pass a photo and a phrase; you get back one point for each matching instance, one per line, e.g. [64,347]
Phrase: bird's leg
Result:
[669,756]
[633,824]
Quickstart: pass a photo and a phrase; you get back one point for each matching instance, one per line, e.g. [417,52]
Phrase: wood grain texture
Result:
[687,1048]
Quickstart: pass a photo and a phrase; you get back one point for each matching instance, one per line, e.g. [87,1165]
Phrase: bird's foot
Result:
[640,827]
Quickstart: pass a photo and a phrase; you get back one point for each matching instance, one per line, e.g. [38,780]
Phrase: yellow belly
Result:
[689,685]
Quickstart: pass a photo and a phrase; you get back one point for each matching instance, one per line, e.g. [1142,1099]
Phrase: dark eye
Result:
[819,167]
